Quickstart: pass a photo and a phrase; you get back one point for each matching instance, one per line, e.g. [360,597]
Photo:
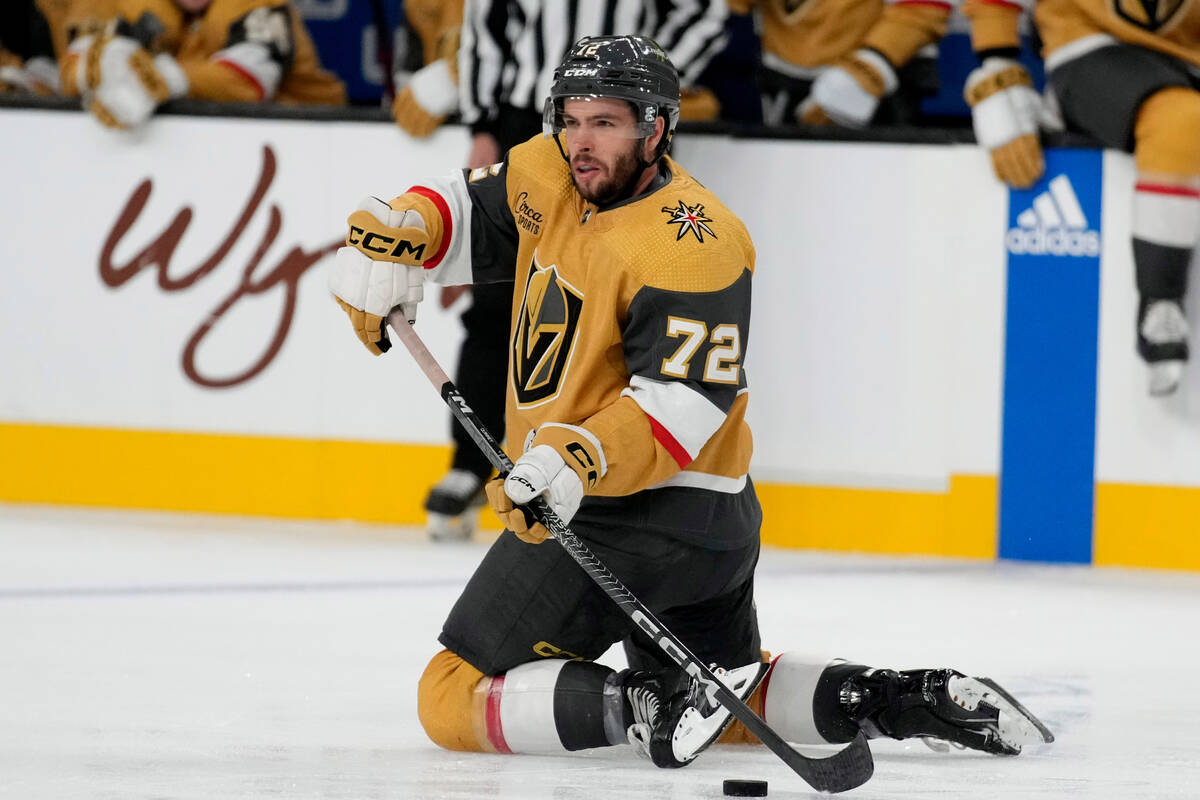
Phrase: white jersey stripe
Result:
[455,267]
[687,415]
[704,480]
[254,60]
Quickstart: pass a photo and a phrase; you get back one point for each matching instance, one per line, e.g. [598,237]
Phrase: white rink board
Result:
[94,355]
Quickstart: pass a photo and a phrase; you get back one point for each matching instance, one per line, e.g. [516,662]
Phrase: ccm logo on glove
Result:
[402,247]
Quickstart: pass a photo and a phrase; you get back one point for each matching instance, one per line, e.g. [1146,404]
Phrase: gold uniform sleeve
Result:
[636,459]
[993,25]
[904,28]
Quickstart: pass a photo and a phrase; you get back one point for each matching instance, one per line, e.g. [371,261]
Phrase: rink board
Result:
[169,341]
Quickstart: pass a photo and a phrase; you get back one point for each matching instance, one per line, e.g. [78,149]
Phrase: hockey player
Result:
[626,404]
[849,62]
[506,53]
[224,50]
[1126,73]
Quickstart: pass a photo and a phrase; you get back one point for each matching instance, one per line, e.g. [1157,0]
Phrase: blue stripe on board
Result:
[1047,468]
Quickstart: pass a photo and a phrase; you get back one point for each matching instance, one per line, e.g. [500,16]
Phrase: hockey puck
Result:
[734,788]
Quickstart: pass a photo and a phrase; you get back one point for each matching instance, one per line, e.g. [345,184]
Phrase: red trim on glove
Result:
[447,223]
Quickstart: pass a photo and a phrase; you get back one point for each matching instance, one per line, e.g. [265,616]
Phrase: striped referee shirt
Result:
[510,48]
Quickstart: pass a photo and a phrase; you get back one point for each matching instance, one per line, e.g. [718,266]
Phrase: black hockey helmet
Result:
[630,68]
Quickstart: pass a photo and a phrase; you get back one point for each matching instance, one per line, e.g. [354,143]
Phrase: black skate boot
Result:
[451,504]
[1162,342]
[941,704]
[671,719]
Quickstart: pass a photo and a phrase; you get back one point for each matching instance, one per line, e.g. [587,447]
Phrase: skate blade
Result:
[695,732]
[1016,726]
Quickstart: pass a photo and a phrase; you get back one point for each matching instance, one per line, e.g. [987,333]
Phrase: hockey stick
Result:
[846,769]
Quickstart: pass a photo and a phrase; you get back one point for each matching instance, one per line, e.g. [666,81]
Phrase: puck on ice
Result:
[745,788]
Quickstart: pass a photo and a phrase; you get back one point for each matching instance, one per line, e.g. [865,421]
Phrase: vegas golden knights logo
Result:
[1150,15]
[545,334]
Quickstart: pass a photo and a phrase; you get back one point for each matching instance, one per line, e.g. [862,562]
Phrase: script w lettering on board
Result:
[286,273]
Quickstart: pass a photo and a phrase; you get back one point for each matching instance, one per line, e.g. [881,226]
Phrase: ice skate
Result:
[451,505]
[973,713]
[1163,343]
[674,719]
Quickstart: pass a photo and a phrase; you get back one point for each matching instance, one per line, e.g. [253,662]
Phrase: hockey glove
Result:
[847,92]
[38,75]
[122,84]
[541,471]
[563,462]
[423,104]
[380,268]
[1007,114]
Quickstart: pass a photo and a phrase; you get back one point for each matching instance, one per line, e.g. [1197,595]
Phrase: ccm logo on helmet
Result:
[580,72]
[379,243]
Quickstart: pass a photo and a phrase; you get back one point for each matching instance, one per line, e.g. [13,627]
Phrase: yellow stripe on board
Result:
[1137,526]
[328,479]
[960,522]
[1147,526]
[305,478]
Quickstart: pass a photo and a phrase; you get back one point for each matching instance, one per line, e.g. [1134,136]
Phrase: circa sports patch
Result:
[689,218]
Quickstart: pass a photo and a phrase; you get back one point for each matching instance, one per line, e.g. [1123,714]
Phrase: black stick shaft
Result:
[846,769]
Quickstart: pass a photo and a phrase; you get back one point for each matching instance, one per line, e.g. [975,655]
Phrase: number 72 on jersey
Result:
[722,360]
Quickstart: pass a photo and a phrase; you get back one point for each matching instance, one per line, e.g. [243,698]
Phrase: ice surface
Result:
[160,656]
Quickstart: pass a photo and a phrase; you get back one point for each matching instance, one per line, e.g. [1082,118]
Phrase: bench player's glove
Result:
[380,266]
[1007,113]
[848,91]
[121,83]
[563,463]
[423,104]
[38,75]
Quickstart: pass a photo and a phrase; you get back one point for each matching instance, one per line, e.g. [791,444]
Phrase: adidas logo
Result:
[1054,225]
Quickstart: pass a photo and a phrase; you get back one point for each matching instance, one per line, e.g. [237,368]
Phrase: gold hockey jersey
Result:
[798,36]
[628,322]
[1071,27]
[244,50]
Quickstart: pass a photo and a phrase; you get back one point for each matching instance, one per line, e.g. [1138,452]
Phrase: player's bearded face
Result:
[603,146]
